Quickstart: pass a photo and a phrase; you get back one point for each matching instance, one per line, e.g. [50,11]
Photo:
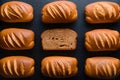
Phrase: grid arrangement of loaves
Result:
[60,39]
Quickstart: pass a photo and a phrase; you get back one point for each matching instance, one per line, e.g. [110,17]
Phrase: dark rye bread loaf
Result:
[59,39]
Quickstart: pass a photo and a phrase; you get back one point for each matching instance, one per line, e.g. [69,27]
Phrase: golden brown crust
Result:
[102,40]
[59,66]
[16,67]
[59,12]
[102,67]
[16,39]
[59,39]
[16,11]
[102,12]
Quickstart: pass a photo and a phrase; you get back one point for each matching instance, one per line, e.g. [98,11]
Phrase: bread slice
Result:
[59,39]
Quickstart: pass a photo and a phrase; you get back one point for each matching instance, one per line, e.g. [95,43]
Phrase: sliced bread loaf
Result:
[59,39]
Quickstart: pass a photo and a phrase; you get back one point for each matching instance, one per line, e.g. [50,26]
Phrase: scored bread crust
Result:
[59,12]
[102,12]
[16,39]
[102,40]
[16,67]
[102,67]
[59,66]
[16,11]
[59,39]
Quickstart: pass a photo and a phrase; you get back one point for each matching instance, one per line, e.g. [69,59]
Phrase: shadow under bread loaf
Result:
[16,11]
[102,12]
[16,39]
[59,66]
[16,67]
[102,40]
[59,12]
[59,39]
[102,67]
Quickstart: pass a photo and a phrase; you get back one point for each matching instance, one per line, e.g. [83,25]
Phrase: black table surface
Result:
[80,26]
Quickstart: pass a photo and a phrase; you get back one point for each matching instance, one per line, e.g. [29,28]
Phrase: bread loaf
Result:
[102,67]
[59,39]
[59,66]
[16,39]
[59,12]
[102,40]
[102,12]
[16,67]
[16,11]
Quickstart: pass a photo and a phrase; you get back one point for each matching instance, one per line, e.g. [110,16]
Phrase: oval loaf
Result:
[102,67]
[16,67]
[102,12]
[102,40]
[59,66]
[59,12]
[16,11]
[16,39]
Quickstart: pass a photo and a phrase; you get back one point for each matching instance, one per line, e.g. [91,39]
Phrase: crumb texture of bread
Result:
[16,11]
[59,39]
[59,66]
[102,12]
[16,67]
[59,12]
[102,67]
[102,40]
[16,39]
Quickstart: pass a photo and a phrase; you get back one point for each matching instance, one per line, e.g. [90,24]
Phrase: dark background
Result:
[80,26]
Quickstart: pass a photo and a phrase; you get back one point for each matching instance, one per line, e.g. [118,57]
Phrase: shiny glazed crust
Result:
[16,39]
[102,40]
[16,67]
[59,12]
[102,67]
[16,11]
[102,12]
[59,66]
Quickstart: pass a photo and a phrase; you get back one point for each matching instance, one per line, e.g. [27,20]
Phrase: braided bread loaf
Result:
[59,12]
[16,39]
[102,40]
[16,11]
[102,12]
[59,66]
[16,66]
[102,67]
